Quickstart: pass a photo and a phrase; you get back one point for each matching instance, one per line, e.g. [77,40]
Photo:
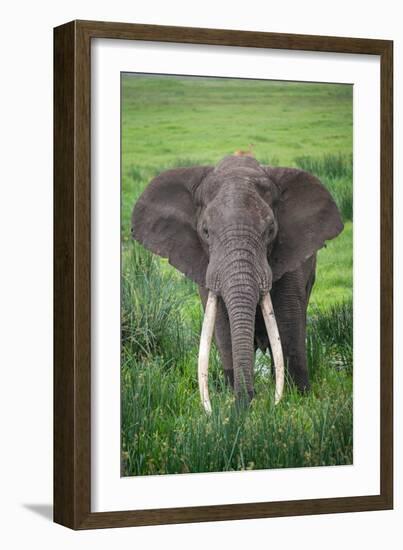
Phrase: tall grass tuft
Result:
[333,328]
[152,309]
[329,165]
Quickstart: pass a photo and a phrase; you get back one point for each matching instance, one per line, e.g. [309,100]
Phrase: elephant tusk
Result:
[204,349]
[275,343]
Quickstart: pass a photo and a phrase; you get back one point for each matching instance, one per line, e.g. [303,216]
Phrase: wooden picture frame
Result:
[72,271]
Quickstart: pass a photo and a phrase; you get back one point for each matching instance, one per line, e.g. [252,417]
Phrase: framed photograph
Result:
[222,274]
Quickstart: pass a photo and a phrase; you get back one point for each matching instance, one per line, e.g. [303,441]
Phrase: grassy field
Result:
[169,122]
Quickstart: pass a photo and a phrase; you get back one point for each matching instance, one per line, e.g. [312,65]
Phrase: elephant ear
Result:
[164,220]
[307,216]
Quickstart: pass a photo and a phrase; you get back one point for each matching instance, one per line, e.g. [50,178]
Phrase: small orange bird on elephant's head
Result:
[245,153]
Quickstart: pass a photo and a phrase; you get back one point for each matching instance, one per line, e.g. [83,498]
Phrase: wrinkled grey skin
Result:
[241,229]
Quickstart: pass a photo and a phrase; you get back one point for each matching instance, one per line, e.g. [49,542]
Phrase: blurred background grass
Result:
[172,121]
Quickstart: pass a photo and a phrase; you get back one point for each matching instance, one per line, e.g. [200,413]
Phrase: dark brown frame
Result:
[72,320]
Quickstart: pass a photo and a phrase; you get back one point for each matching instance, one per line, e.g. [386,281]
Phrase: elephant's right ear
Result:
[307,216]
[164,220]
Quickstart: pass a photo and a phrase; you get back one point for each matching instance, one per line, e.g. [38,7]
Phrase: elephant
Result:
[248,235]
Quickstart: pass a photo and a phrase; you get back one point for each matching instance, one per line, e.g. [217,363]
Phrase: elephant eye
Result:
[205,232]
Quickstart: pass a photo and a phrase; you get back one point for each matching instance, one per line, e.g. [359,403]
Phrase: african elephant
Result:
[247,234]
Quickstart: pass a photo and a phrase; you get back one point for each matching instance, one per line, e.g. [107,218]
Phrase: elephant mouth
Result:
[205,346]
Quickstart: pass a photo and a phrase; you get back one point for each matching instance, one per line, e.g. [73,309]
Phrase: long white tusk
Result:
[204,349]
[275,343]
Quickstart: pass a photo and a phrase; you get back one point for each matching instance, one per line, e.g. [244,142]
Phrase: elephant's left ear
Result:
[307,216]
[164,220]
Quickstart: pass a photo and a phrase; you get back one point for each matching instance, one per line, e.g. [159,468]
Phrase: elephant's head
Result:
[235,229]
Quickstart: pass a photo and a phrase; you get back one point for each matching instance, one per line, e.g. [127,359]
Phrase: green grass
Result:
[170,122]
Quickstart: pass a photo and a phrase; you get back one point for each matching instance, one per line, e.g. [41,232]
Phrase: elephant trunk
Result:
[240,292]
[243,281]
